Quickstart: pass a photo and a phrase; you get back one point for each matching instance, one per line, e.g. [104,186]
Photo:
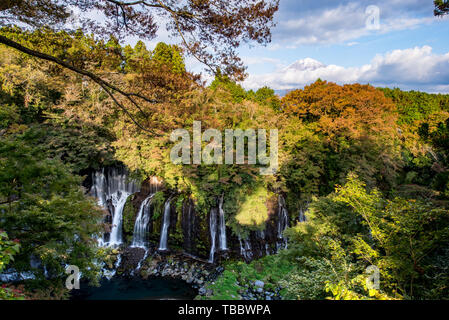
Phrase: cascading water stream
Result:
[141,225]
[213,233]
[302,213]
[98,184]
[165,226]
[282,224]
[261,237]
[139,265]
[222,226]
[112,188]
[118,201]
[245,249]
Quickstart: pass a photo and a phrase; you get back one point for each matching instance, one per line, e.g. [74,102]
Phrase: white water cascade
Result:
[245,249]
[282,224]
[112,188]
[141,225]
[139,265]
[165,226]
[213,233]
[261,237]
[222,226]
[302,212]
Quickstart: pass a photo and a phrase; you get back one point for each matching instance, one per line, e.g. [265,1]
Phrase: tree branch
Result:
[178,28]
[104,84]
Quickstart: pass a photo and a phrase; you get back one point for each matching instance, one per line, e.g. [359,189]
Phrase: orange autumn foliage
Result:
[353,111]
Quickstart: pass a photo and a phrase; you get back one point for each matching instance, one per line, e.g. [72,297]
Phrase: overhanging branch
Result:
[104,84]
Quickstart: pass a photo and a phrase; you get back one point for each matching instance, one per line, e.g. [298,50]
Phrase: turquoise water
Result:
[136,289]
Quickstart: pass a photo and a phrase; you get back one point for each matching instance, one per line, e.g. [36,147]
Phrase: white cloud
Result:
[311,24]
[414,68]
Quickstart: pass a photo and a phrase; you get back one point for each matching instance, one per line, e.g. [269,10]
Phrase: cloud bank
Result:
[414,68]
[322,22]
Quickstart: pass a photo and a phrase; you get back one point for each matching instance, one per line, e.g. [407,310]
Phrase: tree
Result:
[210,30]
[350,110]
[236,91]
[348,128]
[43,205]
[441,7]
[8,249]
[355,227]
[169,56]
[265,96]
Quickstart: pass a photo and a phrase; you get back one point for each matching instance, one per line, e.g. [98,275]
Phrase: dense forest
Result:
[363,170]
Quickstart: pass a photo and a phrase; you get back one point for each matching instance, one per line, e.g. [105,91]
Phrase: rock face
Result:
[138,262]
[189,231]
[190,227]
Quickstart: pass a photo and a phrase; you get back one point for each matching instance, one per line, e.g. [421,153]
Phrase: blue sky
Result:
[410,49]
[329,39]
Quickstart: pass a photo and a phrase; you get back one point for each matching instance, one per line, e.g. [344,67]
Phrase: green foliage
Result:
[158,203]
[169,56]
[236,91]
[307,279]
[239,275]
[354,228]
[225,287]
[7,251]
[44,207]
[54,124]
[265,96]
[414,105]
[80,147]
[441,7]
[129,218]
[253,209]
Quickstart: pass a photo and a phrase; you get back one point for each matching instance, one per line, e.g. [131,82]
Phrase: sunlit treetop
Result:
[210,30]
[441,7]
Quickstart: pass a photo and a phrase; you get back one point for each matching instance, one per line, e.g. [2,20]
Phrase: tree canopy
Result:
[441,7]
[210,31]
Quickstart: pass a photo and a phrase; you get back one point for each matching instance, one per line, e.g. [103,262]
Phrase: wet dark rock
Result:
[130,260]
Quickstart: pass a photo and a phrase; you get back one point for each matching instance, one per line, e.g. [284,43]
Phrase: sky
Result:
[340,41]
[386,43]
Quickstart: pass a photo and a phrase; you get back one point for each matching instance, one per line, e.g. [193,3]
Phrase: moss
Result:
[158,202]
[270,269]
[157,213]
[225,287]
[129,218]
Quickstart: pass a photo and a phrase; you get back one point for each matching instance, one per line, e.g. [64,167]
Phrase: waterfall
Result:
[98,187]
[189,225]
[302,213]
[222,226]
[139,265]
[112,188]
[282,224]
[245,249]
[141,225]
[165,226]
[118,201]
[213,233]
[261,237]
